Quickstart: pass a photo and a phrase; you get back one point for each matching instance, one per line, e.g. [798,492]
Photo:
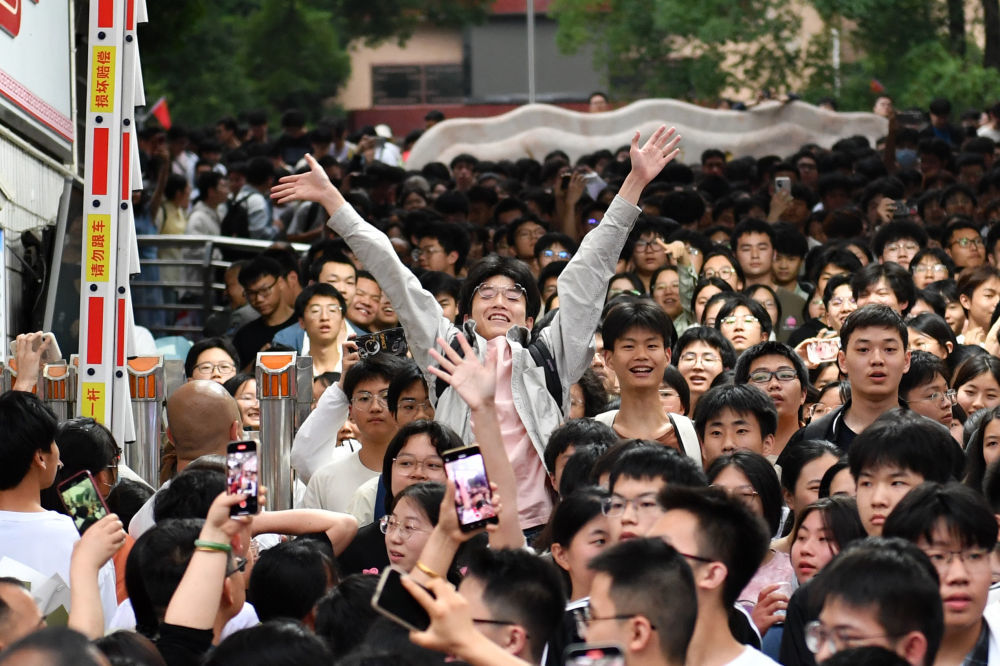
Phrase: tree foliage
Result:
[684,49]
[217,57]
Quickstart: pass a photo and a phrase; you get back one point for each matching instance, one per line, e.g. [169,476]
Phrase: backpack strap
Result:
[541,355]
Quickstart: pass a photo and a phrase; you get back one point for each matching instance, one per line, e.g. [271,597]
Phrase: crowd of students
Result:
[724,420]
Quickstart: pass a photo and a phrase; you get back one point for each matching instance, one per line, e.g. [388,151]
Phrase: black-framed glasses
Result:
[834,640]
[488,292]
[251,294]
[966,242]
[648,245]
[208,367]
[585,616]
[615,506]
[764,376]
[421,251]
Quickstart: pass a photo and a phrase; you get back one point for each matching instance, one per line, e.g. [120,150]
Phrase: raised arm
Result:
[476,383]
[97,545]
[339,528]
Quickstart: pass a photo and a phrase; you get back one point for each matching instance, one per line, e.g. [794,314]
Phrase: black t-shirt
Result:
[253,336]
[183,646]
[366,551]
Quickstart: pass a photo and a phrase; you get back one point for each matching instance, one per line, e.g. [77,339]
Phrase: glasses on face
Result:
[950,396]
[818,409]
[745,493]
[706,359]
[971,558]
[896,247]
[930,268]
[840,302]
[409,463]
[693,251]
[746,320]
[557,254]
[614,506]
[222,367]
[419,252]
[488,292]
[671,286]
[592,221]
[666,394]
[530,233]
[781,374]
[388,525]
[364,400]
[835,640]
[239,564]
[648,245]
[966,242]
[725,273]
[584,616]
[411,406]
[320,310]
[263,292]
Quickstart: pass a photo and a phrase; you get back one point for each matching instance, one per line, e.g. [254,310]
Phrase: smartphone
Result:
[391,341]
[565,180]
[900,211]
[783,184]
[83,502]
[52,352]
[823,350]
[583,654]
[392,600]
[473,499]
[242,476]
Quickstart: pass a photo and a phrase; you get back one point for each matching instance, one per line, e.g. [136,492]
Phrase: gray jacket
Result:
[569,338]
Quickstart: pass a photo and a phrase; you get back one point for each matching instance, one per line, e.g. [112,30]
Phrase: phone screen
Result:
[242,472]
[473,499]
[392,600]
[581,654]
[82,500]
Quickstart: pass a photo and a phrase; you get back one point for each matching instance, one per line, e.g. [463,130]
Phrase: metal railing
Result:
[181,307]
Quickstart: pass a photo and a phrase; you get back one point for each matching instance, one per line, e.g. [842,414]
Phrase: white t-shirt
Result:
[44,541]
[751,657]
[362,504]
[333,485]
[124,618]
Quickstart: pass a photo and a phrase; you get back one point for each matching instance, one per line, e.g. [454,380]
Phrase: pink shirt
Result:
[533,500]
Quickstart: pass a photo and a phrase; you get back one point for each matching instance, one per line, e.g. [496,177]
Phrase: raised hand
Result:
[475,383]
[312,186]
[659,150]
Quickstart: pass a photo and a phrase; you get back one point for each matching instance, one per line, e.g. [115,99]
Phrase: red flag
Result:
[876,86]
[160,111]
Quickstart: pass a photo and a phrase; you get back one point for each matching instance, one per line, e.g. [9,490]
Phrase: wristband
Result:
[427,570]
[212,546]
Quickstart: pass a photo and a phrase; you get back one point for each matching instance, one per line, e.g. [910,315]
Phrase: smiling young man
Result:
[873,356]
[499,302]
[956,529]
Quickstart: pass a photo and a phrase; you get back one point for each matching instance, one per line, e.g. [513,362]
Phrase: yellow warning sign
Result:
[93,401]
[98,248]
[102,80]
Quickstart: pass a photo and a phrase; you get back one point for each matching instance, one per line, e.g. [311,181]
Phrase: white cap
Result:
[383,131]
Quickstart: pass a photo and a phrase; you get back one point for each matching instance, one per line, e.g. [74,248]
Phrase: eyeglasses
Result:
[251,294]
[949,396]
[672,286]
[974,557]
[724,273]
[838,302]
[488,292]
[364,400]
[223,367]
[966,242]
[388,524]
[648,245]
[747,320]
[666,394]
[532,233]
[706,359]
[584,616]
[930,268]
[409,463]
[693,251]
[896,247]
[818,409]
[558,254]
[410,405]
[615,506]
[818,637]
[240,564]
[320,310]
[592,221]
[746,493]
[419,252]
[781,374]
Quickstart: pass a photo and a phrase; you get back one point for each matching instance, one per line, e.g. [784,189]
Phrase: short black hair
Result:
[924,367]
[523,588]
[873,316]
[733,301]
[898,230]
[344,615]
[709,336]
[728,532]
[797,455]
[894,576]
[155,567]
[975,464]
[329,256]
[905,440]
[203,345]
[441,437]
[189,495]
[576,433]
[278,642]
[650,577]
[657,462]
[935,326]
[790,241]
[408,374]
[741,399]
[493,265]
[55,646]
[762,477]
[964,512]
[975,366]
[673,378]
[642,314]
[770,348]
[752,225]
[29,426]
[288,579]
[318,289]
[260,266]
[381,366]
[452,238]
[897,277]
[439,282]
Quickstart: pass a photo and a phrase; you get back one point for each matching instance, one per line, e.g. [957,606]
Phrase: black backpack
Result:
[236,222]
[540,354]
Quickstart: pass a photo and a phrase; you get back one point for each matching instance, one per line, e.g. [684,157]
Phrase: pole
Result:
[530,10]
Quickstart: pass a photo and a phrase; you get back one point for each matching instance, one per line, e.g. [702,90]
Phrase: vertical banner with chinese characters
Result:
[101,208]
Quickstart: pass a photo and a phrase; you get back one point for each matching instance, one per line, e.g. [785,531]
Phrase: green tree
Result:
[684,49]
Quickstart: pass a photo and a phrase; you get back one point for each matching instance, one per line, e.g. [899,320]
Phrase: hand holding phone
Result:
[243,476]
[783,184]
[466,472]
[82,500]
[396,603]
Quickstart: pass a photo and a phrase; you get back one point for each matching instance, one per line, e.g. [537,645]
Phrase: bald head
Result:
[202,418]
